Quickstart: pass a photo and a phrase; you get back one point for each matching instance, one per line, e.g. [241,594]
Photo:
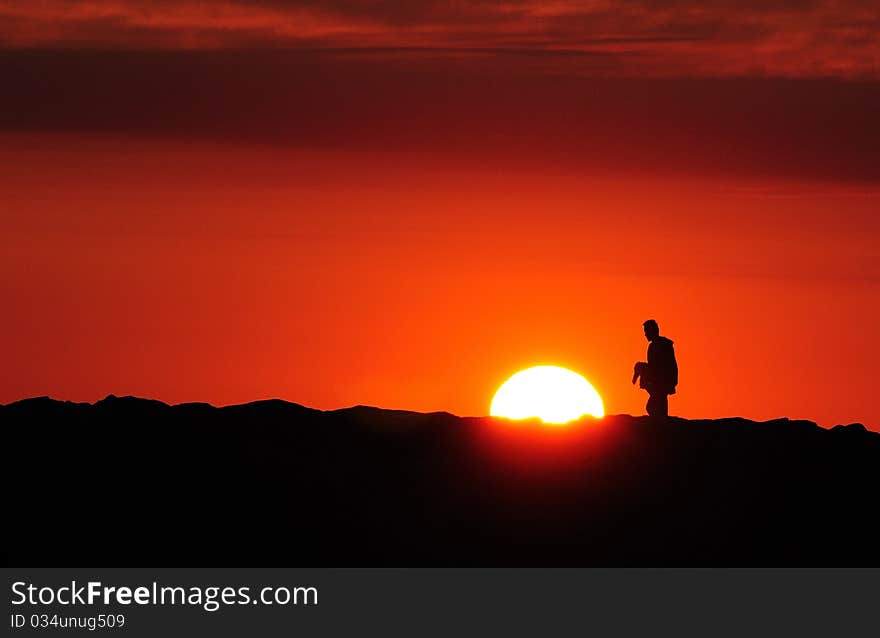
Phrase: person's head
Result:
[652,330]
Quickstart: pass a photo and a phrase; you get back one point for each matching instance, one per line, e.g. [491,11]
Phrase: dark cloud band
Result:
[820,38]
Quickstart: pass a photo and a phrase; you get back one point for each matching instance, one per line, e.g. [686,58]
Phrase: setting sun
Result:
[551,393]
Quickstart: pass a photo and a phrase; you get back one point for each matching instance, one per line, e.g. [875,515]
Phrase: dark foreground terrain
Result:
[132,481]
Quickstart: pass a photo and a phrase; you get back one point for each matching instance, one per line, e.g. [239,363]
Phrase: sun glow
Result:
[551,393]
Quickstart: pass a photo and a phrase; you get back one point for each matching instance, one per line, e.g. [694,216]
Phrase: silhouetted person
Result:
[659,375]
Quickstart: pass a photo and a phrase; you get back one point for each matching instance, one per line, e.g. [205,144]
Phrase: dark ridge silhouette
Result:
[129,480]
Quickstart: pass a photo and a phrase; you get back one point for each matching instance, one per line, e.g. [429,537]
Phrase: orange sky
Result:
[207,215]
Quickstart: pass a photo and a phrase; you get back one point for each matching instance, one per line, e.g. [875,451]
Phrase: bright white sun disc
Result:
[550,393]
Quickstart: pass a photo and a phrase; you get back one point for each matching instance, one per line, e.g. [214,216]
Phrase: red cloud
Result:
[637,38]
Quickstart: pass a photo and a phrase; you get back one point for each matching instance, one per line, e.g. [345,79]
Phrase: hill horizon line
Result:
[110,398]
[273,481]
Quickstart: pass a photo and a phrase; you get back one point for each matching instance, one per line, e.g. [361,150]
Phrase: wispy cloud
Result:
[638,37]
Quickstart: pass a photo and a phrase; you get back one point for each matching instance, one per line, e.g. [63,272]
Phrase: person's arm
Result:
[638,370]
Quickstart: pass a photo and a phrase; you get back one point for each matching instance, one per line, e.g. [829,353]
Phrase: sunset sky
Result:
[403,203]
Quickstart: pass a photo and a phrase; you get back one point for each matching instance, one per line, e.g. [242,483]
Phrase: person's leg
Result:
[658,405]
[651,406]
